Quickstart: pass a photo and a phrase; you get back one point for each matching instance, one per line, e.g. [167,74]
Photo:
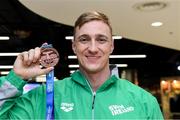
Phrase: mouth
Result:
[92,58]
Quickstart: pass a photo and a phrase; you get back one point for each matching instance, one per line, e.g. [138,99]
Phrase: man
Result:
[92,92]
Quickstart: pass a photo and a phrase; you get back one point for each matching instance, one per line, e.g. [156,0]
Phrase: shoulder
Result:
[134,90]
[63,84]
[63,81]
[142,98]
[138,95]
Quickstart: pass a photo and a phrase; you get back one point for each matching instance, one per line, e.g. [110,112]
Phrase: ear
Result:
[112,46]
[73,46]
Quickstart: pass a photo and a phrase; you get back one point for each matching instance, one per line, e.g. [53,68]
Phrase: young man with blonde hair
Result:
[92,92]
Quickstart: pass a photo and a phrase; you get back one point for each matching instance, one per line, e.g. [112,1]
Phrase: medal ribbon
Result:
[49,90]
[50,95]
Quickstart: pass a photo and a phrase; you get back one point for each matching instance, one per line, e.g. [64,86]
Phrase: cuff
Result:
[15,80]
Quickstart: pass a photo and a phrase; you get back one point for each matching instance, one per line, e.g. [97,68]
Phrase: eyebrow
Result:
[97,35]
[83,35]
[100,35]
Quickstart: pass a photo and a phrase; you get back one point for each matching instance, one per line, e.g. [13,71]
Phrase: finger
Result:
[46,70]
[37,53]
[25,57]
[30,56]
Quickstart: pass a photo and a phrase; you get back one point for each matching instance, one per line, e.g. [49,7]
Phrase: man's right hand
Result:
[27,64]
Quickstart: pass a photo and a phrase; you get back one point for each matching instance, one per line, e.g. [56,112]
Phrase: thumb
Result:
[46,70]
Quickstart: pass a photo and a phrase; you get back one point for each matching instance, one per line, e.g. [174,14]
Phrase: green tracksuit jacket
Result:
[74,99]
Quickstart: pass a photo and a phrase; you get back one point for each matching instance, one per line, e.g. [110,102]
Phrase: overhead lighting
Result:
[6,66]
[4,72]
[9,54]
[174,81]
[72,71]
[127,56]
[73,66]
[121,65]
[115,37]
[115,56]
[156,24]
[178,67]
[4,37]
[72,57]
[149,6]
[163,82]
[77,66]
[69,37]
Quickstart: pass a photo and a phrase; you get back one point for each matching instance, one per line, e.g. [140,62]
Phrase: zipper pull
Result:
[94,95]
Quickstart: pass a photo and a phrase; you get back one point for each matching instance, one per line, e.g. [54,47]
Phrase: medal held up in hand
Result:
[49,56]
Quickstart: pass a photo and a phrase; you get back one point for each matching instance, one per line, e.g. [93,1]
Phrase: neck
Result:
[98,78]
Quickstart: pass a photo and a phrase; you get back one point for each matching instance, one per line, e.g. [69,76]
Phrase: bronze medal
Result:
[49,57]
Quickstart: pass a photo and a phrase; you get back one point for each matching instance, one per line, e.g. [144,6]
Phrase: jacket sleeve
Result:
[14,105]
[154,111]
[11,87]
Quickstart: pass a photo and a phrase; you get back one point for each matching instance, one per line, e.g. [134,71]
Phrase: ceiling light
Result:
[116,37]
[77,66]
[178,67]
[72,57]
[73,66]
[121,65]
[72,71]
[4,37]
[9,54]
[127,56]
[6,66]
[163,82]
[69,37]
[150,6]
[4,72]
[115,56]
[174,81]
[156,24]
[113,37]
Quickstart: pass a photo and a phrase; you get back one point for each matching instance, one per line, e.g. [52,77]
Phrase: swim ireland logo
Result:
[120,109]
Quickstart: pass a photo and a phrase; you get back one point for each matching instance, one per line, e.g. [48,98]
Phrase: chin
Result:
[92,69]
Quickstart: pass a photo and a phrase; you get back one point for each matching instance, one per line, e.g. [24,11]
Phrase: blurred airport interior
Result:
[147,56]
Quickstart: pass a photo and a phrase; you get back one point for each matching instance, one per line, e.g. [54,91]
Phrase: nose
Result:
[93,48]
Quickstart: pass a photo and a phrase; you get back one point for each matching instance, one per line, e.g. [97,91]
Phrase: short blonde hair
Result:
[90,16]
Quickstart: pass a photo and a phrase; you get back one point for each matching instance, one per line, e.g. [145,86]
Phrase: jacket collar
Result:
[79,78]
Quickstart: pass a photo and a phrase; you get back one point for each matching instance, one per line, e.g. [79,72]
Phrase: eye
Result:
[102,40]
[84,39]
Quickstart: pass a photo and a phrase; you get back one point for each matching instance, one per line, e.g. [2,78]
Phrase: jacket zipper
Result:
[94,96]
[93,100]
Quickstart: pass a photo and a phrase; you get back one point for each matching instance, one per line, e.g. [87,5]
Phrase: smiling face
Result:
[93,44]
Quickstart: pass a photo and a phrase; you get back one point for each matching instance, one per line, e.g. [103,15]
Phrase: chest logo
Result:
[120,109]
[67,107]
